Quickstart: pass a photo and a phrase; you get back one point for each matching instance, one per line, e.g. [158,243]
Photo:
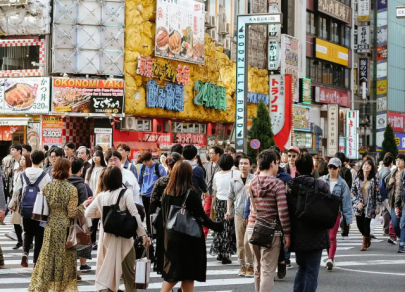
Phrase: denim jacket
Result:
[342,190]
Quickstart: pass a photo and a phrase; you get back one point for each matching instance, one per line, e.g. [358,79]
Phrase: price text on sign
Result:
[255,144]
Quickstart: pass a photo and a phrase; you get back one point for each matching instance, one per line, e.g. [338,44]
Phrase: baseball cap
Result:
[295,149]
[335,161]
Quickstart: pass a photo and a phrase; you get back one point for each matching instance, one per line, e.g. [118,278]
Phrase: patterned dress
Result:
[55,270]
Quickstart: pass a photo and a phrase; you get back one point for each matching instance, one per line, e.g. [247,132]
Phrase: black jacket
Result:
[304,237]
[79,184]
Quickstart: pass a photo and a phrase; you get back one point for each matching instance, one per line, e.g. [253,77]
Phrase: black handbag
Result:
[182,221]
[263,232]
[117,222]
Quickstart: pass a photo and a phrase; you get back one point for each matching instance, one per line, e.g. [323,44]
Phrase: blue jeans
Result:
[306,279]
[399,225]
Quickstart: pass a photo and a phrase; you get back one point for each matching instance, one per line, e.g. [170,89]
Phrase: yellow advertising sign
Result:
[331,52]
[382,86]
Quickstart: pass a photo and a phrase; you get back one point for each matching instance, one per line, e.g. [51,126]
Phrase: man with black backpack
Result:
[149,173]
[31,182]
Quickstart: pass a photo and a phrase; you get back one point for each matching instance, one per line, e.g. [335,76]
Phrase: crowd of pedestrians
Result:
[231,194]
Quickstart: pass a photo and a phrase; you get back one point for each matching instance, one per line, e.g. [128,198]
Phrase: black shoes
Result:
[226,261]
[281,270]
[219,258]
[85,268]
[18,245]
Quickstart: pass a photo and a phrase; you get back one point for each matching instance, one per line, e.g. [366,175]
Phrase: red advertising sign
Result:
[397,121]
[52,130]
[187,138]
[382,53]
[333,96]
[284,135]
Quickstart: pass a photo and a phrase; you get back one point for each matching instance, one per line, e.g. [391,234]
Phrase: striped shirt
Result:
[270,200]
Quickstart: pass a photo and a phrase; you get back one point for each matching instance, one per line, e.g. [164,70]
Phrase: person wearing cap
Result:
[338,187]
[293,153]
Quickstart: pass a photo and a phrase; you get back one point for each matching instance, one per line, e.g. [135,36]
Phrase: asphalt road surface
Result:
[380,268]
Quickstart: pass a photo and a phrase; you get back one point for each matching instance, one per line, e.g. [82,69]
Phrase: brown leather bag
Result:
[79,236]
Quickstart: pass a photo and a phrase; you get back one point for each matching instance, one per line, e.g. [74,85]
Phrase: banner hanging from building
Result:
[363,13]
[180,31]
[88,95]
[302,118]
[330,52]
[333,137]
[363,39]
[289,61]
[352,123]
[332,96]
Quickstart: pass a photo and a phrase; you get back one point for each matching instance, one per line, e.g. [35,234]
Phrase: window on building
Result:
[318,69]
[338,78]
[144,125]
[323,29]
[310,23]
[335,31]
[327,74]
[188,128]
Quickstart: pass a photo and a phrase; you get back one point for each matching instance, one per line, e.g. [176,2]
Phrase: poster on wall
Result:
[379,138]
[363,13]
[302,118]
[382,103]
[103,137]
[382,35]
[382,53]
[180,31]
[289,61]
[52,130]
[33,136]
[303,140]
[352,123]
[381,121]
[400,141]
[24,95]
[87,95]
[382,69]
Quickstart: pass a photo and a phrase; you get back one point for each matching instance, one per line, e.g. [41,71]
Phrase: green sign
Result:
[210,95]
[305,90]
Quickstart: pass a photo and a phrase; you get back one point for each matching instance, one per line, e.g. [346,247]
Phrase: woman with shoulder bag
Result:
[55,269]
[338,187]
[366,199]
[114,250]
[25,162]
[185,256]
[155,204]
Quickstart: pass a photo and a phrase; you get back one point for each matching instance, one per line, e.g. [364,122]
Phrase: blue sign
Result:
[170,97]
[382,4]
[257,97]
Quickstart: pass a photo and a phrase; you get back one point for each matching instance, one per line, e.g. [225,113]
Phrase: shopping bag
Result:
[78,237]
[40,211]
[142,271]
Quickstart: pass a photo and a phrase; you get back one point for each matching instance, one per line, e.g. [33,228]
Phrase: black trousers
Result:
[18,231]
[32,229]
[345,228]
[363,224]
[146,204]
[93,229]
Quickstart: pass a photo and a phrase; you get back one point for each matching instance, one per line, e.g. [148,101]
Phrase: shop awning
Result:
[139,145]
[14,121]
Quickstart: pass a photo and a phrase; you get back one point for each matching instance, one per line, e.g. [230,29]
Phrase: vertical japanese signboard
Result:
[363,13]
[333,138]
[352,123]
[277,103]
[363,74]
[24,95]
[363,39]
[289,61]
[52,130]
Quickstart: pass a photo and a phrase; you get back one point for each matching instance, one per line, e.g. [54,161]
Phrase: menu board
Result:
[180,30]
[87,95]
[52,130]
[24,95]
[103,137]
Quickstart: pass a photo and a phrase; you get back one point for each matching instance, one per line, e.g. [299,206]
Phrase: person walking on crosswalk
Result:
[2,215]
[366,199]
[337,187]
[55,269]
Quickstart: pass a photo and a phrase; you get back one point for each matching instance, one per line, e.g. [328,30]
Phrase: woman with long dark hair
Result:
[156,206]
[185,257]
[366,199]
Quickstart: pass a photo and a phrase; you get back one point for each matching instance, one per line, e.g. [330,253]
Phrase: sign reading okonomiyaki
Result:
[87,95]
[24,95]
[180,30]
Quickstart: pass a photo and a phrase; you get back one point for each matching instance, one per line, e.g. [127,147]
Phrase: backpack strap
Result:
[157,172]
[27,180]
[36,183]
[141,175]
[316,186]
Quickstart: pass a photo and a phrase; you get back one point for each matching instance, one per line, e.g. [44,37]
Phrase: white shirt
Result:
[221,183]
[130,181]
[332,185]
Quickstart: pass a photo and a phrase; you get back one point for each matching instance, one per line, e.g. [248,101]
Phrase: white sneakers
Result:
[329,264]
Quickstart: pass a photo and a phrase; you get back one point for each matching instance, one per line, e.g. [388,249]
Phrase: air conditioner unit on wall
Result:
[128,124]
[206,17]
[212,21]
[213,34]
[224,28]
[227,45]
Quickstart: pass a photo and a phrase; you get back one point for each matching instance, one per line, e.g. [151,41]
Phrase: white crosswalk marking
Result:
[220,278]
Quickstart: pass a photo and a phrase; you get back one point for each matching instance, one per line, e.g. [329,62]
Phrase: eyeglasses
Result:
[332,167]
[113,159]
[293,156]
[398,160]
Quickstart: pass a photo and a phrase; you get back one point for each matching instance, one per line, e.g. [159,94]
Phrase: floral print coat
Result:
[374,199]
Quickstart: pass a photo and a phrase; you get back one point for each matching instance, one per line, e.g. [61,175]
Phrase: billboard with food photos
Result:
[24,95]
[94,96]
[180,30]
